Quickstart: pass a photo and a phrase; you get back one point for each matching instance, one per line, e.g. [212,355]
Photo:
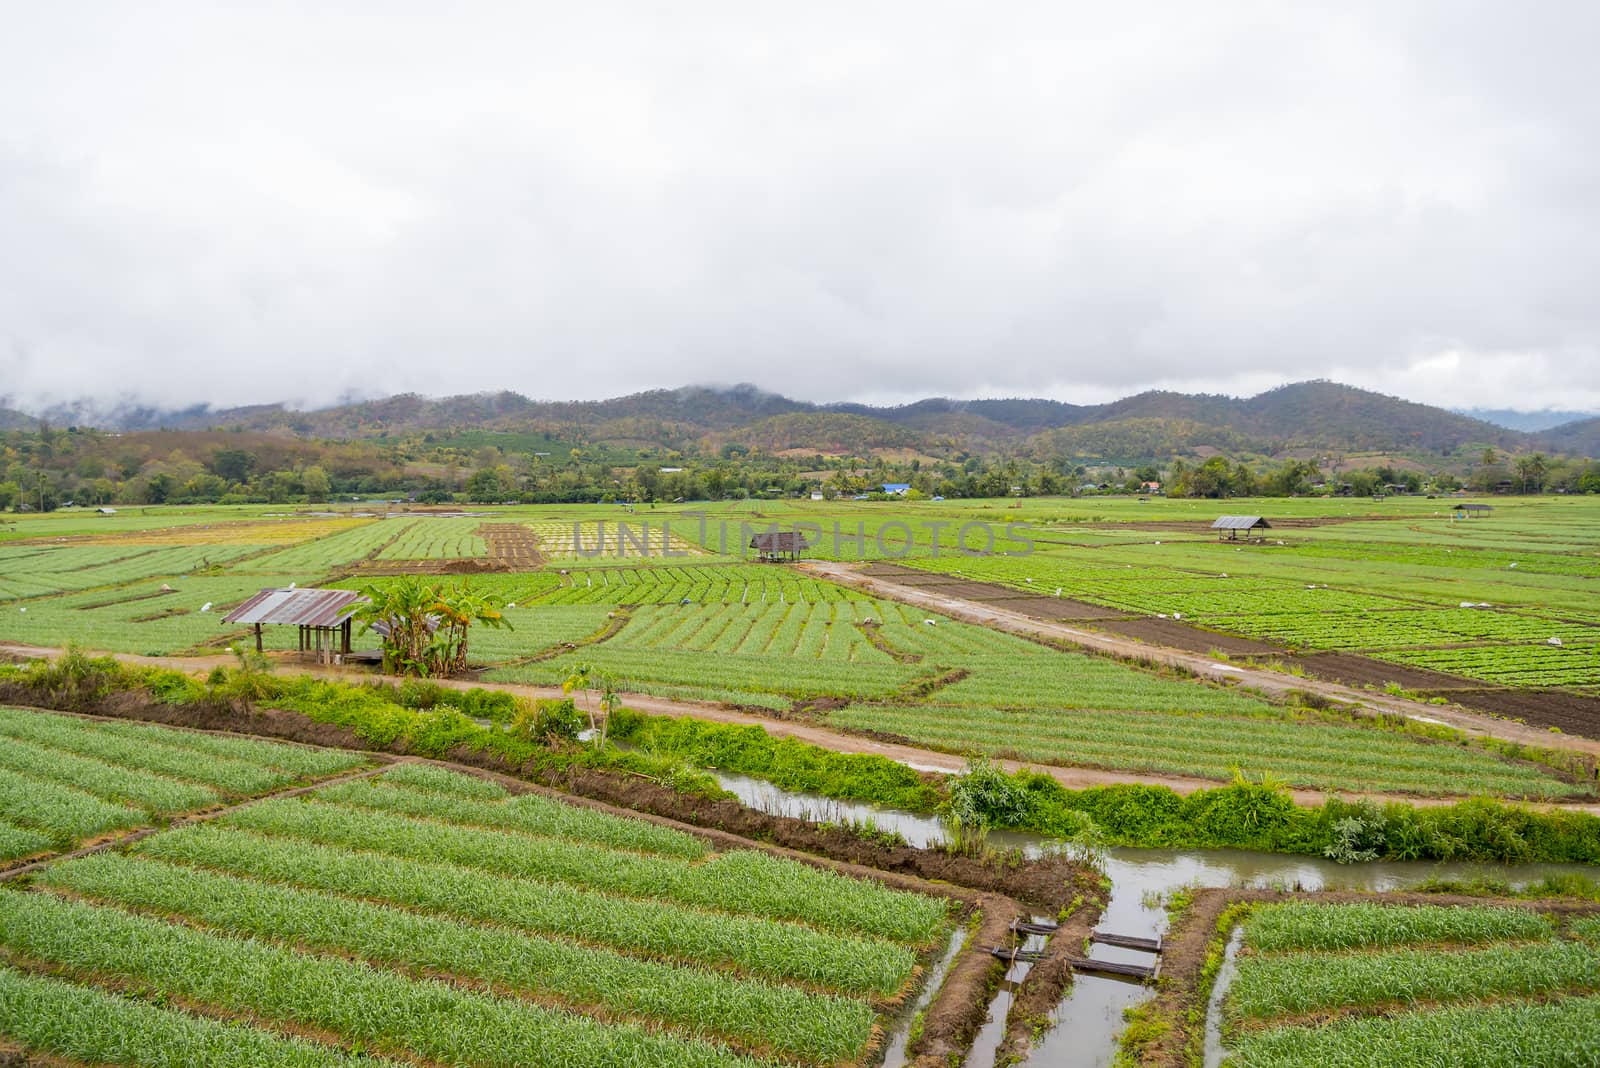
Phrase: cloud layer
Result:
[243,203]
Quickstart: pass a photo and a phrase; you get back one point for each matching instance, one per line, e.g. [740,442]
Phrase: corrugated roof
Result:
[1239,522]
[301,607]
[782,541]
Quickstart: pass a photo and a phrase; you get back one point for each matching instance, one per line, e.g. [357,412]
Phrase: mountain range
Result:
[1315,416]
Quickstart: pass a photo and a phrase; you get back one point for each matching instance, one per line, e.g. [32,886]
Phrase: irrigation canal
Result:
[1086,1024]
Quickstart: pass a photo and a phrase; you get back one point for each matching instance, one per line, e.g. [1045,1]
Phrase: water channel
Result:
[1086,1024]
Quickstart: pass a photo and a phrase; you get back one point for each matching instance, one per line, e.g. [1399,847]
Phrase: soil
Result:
[1175,634]
[956,1015]
[512,545]
[1046,982]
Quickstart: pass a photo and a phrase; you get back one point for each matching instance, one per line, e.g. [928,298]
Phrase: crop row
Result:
[1206,746]
[167,757]
[84,566]
[1300,925]
[381,1010]
[744,882]
[676,584]
[626,539]
[336,550]
[1293,984]
[90,1026]
[656,929]
[1512,665]
[529,813]
[437,539]
[793,1022]
[1511,1035]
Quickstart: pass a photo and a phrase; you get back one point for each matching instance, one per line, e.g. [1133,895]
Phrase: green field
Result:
[1385,579]
[64,779]
[424,913]
[1377,984]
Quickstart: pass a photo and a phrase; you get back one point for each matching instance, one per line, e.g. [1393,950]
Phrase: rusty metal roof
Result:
[781,541]
[302,607]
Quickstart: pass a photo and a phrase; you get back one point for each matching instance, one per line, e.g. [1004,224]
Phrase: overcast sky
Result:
[259,201]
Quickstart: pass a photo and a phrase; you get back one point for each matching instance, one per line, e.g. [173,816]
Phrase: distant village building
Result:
[897,489]
[1240,527]
[1149,487]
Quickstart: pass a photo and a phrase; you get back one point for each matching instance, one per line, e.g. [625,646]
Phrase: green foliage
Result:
[1299,925]
[790,764]
[548,721]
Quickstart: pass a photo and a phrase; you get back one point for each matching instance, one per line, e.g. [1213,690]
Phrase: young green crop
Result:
[1207,746]
[62,812]
[1512,1035]
[299,761]
[1303,925]
[739,882]
[529,813]
[77,736]
[381,1010]
[1292,984]
[660,930]
[17,842]
[815,1027]
[90,1026]
[436,780]
[152,793]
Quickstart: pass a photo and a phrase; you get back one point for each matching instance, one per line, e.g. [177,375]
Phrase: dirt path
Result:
[1271,683]
[1075,778]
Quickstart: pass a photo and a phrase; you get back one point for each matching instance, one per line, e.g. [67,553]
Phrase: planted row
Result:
[791,1021]
[743,881]
[1299,925]
[785,951]
[381,1010]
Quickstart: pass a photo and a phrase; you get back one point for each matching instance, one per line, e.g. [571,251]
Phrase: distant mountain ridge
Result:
[1531,422]
[1315,416]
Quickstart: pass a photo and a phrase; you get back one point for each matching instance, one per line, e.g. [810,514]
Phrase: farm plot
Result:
[149,617]
[768,655]
[312,559]
[1210,746]
[429,915]
[38,570]
[437,538]
[623,539]
[64,779]
[711,584]
[1371,984]
[1510,665]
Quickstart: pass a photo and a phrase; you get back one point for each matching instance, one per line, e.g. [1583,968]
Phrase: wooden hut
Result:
[1240,527]
[322,616]
[780,545]
[1471,511]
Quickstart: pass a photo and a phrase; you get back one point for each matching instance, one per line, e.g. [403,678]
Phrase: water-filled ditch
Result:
[1086,1024]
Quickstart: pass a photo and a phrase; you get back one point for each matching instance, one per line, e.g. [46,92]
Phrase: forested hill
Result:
[1309,416]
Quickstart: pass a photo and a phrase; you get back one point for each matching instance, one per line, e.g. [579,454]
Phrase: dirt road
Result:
[1272,683]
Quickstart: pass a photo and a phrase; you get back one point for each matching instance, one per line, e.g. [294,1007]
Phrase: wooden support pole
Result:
[258,637]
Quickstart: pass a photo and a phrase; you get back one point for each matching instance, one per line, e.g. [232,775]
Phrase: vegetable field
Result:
[422,913]
[64,779]
[1394,984]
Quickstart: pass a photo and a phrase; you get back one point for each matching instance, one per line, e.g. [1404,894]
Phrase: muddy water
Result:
[1087,1022]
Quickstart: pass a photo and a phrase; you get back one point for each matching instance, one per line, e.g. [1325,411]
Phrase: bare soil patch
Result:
[513,546]
[1176,634]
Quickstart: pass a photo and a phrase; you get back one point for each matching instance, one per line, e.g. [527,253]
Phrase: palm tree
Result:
[424,627]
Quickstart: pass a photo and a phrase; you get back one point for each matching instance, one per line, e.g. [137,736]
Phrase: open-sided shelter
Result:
[322,616]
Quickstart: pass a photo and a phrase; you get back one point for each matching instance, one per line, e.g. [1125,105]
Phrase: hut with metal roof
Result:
[1471,511]
[1240,527]
[322,616]
[779,545]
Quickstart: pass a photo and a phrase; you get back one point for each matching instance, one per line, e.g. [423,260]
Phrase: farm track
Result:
[884,581]
[922,759]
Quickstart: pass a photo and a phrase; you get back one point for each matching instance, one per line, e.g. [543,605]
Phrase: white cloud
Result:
[209,203]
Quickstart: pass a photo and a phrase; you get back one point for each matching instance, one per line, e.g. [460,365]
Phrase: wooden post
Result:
[258,637]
